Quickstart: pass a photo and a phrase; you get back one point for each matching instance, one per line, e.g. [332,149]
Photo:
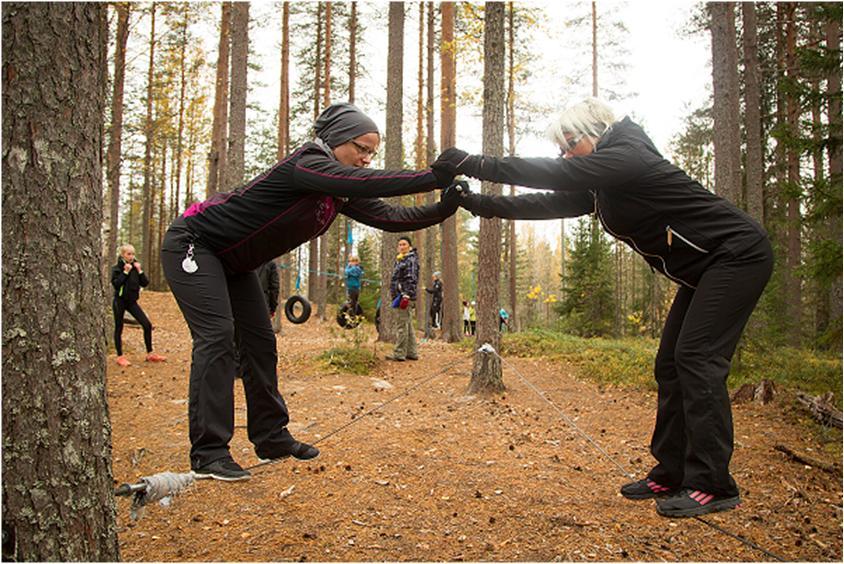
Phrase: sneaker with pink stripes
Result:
[691,503]
[646,489]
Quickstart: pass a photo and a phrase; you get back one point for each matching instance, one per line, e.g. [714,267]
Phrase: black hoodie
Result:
[127,287]
[677,225]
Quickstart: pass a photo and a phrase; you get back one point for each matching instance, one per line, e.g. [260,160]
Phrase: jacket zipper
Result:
[636,247]
[671,232]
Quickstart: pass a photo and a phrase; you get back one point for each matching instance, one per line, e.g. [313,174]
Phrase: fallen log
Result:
[822,409]
[802,459]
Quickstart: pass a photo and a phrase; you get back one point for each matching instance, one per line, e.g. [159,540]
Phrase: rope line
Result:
[740,538]
[371,411]
[489,349]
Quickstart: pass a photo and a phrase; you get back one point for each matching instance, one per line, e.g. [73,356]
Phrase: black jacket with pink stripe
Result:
[297,199]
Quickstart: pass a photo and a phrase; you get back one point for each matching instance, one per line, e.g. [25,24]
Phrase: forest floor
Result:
[442,475]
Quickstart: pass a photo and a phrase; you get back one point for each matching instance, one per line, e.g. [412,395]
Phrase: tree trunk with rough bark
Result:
[794,289]
[116,131]
[58,501]
[452,324]
[392,158]
[727,137]
[833,44]
[752,115]
[239,82]
[219,129]
[284,262]
[146,233]
[486,372]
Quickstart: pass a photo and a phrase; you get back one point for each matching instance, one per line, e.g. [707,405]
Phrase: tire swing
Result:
[290,306]
[347,319]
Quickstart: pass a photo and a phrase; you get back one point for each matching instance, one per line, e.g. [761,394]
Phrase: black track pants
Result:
[213,303]
[119,307]
[693,437]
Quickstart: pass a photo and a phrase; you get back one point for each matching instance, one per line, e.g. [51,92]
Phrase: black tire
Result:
[346,319]
[289,309]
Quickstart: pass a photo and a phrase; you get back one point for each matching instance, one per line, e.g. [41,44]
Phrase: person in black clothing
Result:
[127,278]
[436,300]
[268,277]
[719,256]
[403,284]
[210,253]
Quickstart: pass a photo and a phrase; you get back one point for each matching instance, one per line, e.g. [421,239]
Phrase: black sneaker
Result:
[394,358]
[690,503]
[646,489]
[298,450]
[408,357]
[224,469]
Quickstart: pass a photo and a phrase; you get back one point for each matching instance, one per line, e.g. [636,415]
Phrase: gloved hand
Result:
[475,204]
[447,165]
[404,301]
[450,197]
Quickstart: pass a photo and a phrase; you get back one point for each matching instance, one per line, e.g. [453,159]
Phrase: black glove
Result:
[450,197]
[475,204]
[445,168]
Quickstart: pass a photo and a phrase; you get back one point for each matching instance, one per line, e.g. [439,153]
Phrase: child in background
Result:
[128,278]
[465,317]
[353,276]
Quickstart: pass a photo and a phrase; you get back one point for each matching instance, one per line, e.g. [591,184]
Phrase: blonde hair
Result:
[124,247]
[591,117]
[354,258]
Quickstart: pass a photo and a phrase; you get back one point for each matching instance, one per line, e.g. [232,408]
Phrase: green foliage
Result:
[809,371]
[354,360]
[588,300]
[629,362]
[621,362]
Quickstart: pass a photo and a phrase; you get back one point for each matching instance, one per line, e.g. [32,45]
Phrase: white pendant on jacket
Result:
[188,264]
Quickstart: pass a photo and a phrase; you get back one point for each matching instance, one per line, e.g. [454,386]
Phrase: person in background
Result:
[211,251]
[354,272]
[403,284]
[127,278]
[719,256]
[473,318]
[466,326]
[435,308]
[268,276]
[503,319]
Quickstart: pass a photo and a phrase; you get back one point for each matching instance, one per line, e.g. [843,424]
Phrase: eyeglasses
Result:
[363,150]
[572,143]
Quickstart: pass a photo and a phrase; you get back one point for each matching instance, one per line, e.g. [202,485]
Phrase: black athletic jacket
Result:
[127,287]
[677,225]
[405,276]
[297,199]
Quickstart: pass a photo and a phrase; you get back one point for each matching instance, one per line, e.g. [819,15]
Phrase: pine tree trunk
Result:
[429,265]
[116,131]
[58,502]
[486,373]
[833,44]
[177,175]
[452,324]
[314,244]
[324,260]
[353,36]
[219,131]
[239,83]
[752,114]
[793,220]
[284,261]
[392,158]
[146,234]
[421,158]
[727,137]
[511,150]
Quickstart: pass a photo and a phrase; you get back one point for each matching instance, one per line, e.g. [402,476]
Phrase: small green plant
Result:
[349,359]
